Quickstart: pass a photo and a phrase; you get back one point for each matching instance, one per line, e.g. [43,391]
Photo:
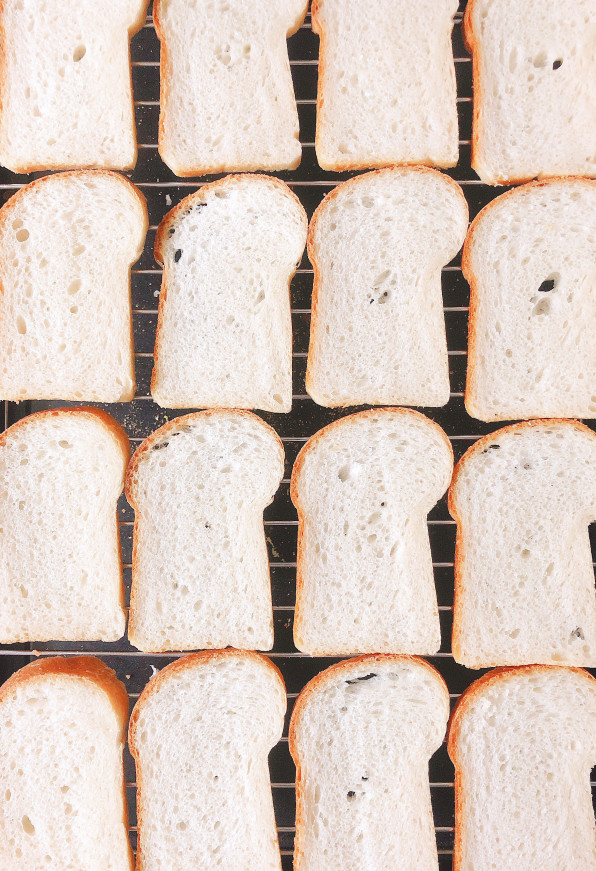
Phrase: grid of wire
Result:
[141,416]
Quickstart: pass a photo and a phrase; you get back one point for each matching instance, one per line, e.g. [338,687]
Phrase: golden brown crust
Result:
[295,496]
[153,686]
[470,276]
[474,690]
[311,688]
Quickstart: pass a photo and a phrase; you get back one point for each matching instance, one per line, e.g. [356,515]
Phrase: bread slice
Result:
[529,258]
[534,65]
[200,734]
[224,331]
[363,487]
[377,244]
[523,741]
[200,573]
[65,84]
[524,583]
[386,91]
[226,93]
[61,774]
[67,243]
[61,473]
[361,735]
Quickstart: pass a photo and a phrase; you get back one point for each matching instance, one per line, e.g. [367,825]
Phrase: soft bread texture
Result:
[363,487]
[529,258]
[200,734]
[200,571]
[226,93]
[224,330]
[377,244]
[534,65]
[523,741]
[65,83]
[386,91]
[61,473]
[524,582]
[67,243]
[61,773]
[361,735]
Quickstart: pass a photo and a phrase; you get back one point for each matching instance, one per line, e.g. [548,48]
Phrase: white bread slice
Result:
[226,93]
[67,243]
[524,583]
[378,243]
[529,258]
[61,473]
[200,571]
[61,773]
[363,487]
[386,91]
[534,65]
[361,735]
[200,734]
[523,741]
[224,331]
[65,83]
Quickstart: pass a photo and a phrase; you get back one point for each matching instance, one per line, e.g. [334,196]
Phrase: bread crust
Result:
[470,276]
[312,687]
[460,542]
[199,169]
[154,685]
[394,170]
[130,479]
[92,670]
[476,689]
[295,494]
[133,28]
[171,217]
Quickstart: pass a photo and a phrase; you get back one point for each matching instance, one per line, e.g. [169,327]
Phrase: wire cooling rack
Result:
[141,416]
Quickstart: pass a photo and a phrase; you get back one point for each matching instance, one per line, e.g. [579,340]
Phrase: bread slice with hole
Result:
[200,572]
[534,65]
[226,93]
[65,84]
[61,473]
[378,243]
[386,91]
[67,242]
[523,497]
[361,735]
[529,258]
[61,773]
[363,487]
[224,330]
[523,741]
[200,734]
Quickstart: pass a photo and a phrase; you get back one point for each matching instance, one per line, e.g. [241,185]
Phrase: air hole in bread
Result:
[21,325]
[177,255]
[542,308]
[540,60]
[27,825]
[22,235]
[74,286]
[549,283]
[79,53]
[557,64]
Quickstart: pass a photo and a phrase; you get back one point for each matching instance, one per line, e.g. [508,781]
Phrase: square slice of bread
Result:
[378,243]
[200,734]
[226,93]
[61,773]
[67,242]
[530,258]
[224,330]
[61,473]
[387,91]
[534,67]
[200,571]
[363,487]
[65,84]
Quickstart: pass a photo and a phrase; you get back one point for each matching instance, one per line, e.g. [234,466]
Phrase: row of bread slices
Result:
[377,242]
[386,85]
[362,732]
[522,497]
